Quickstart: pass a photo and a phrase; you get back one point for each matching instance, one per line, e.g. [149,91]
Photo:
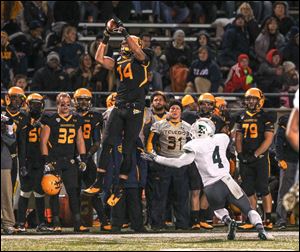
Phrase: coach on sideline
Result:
[7,139]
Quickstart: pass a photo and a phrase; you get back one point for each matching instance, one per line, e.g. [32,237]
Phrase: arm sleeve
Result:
[21,139]
[185,159]
[270,121]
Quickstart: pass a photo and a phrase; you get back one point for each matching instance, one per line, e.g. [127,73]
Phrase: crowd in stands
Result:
[255,42]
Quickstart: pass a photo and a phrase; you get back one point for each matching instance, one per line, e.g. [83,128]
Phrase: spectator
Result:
[287,159]
[10,10]
[70,50]
[7,212]
[9,60]
[66,11]
[146,40]
[269,38]
[239,78]
[174,11]
[20,81]
[203,39]
[20,42]
[89,11]
[251,23]
[38,11]
[203,12]
[159,68]
[291,77]
[235,42]
[204,74]
[290,50]
[53,38]
[280,12]
[36,55]
[269,75]
[51,77]
[178,57]
[261,9]
[121,9]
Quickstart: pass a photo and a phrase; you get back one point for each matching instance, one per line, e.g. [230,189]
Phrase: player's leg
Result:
[194,184]
[25,193]
[89,177]
[180,189]
[248,175]
[243,204]
[217,194]
[132,128]
[263,171]
[112,131]
[70,180]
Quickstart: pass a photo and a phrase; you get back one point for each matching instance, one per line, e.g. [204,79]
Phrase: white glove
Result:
[148,156]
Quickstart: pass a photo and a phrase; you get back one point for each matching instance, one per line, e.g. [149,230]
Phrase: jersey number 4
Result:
[216,157]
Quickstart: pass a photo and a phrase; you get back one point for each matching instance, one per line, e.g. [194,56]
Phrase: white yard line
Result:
[211,235]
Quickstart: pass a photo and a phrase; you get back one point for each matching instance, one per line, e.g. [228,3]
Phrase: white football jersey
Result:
[296,100]
[210,157]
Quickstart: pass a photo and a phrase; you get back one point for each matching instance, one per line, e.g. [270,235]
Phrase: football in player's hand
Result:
[111,25]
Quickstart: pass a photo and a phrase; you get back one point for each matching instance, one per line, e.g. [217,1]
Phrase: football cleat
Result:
[205,225]
[91,191]
[268,224]
[232,230]
[126,225]
[106,227]
[263,235]
[81,229]
[246,226]
[57,229]
[196,226]
[43,228]
[21,228]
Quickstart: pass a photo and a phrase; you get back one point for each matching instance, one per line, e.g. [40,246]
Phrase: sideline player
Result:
[254,136]
[208,151]
[60,136]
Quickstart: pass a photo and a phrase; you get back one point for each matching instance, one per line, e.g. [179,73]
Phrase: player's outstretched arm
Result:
[185,159]
[105,61]
[136,49]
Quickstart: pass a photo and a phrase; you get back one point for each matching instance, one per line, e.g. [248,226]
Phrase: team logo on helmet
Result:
[202,128]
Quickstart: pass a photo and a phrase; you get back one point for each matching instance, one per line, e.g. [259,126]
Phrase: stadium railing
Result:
[229,97]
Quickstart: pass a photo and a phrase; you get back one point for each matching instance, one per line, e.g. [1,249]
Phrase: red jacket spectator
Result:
[239,78]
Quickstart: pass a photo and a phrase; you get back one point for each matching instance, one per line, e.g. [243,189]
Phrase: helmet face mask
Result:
[83,104]
[36,107]
[251,103]
[206,107]
[82,100]
[16,101]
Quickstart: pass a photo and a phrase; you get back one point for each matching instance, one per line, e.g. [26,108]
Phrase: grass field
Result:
[141,242]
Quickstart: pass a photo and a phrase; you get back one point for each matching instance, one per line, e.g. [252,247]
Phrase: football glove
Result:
[81,160]
[48,168]
[23,171]
[148,156]
[282,164]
